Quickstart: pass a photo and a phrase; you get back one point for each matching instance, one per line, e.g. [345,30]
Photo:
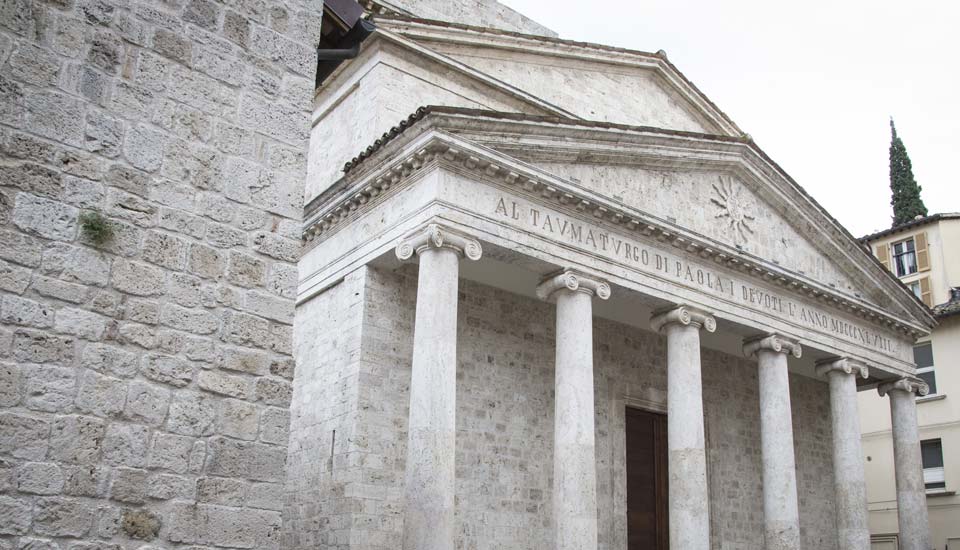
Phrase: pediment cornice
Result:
[412,32]
[413,153]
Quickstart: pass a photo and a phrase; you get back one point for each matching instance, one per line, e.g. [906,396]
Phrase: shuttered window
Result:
[883,254]
[923,251]
[926,295]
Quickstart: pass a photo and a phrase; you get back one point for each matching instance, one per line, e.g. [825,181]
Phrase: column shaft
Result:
[431,444]
[574,453]
[688,494]
[780,510]
[908,465]
[848,468]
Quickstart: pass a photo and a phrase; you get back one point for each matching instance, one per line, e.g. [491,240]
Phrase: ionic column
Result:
[687,462]
[908,464]
[781,516]
[848,472]
[431,445]
[574,454]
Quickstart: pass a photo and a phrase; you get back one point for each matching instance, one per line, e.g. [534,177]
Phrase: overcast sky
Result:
[814,83]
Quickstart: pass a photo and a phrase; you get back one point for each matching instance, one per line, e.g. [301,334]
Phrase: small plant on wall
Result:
[96,228]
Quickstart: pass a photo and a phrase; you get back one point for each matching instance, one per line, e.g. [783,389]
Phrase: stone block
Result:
[184,289]
[138,279]
[100,395]
[271,307]
[76,264]
[182,222]
[82,193]
[103,134]
[245,360]
[81,323]
[222,490]
[126,445]
[172,45]
[33,178]
[137,334]
[236,28]
[142,311]
[282,280]
[225,384]
[62,517]
[192,413]
[245,270]
[197,321]
[183,121]
[144,147]
[272,391]
[23,436]
[278,120]
[34,65]
[41,347]
[17,515]
[125,206]
[245,330]
[224,236]
[165,250]
[146,403]
[211,524]
[170,452]
[86,481]
[45,218]
[169,486]
[106,52]
[283,367]
[107,359]
[76,439]
[129,485]
[56,117]
[166,369]
[246,459]
[128,179]
[206,262]
[238,419]
[203,13]
[274,425]
[11,384]
[48,388]
[193,164]
[19,248]
[81,164]
[24,312]
[39,478]
[14,279]
[268,496]
[233,140]
[28,543]
[61,290]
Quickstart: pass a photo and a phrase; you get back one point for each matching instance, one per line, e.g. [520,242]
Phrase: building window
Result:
[904,258]
[932,453]
[923,357]
[915,288]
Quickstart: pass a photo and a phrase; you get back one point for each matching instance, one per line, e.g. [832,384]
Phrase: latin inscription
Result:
[615,247]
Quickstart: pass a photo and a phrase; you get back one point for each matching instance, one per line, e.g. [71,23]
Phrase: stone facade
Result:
[504,446]
[145,382]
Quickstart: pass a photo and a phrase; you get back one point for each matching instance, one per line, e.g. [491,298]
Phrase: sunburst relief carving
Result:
[732,208]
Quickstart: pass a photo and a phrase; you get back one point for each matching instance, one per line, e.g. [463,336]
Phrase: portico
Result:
[519,281]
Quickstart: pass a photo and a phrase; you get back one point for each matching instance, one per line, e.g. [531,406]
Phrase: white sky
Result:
[813,82]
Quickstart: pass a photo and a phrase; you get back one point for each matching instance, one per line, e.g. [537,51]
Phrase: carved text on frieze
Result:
[594,239]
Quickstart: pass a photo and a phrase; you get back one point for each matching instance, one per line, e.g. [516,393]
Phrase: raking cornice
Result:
[410,155]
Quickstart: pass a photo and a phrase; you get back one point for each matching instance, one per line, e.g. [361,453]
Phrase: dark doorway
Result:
[647,513]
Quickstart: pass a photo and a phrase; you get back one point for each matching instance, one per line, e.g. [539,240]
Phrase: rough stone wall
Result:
[505,425]
[479,13]
[144,383]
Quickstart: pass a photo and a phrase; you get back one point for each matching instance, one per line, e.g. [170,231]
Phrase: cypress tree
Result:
[905,199]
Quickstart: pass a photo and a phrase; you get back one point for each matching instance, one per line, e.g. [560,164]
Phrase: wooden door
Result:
[647,512]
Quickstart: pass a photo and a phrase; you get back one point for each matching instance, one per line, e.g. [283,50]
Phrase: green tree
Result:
[905,199]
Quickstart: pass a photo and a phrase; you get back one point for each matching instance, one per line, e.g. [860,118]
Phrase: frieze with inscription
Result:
[629,252]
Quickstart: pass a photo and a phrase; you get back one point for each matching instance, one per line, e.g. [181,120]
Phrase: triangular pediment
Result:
[585,81]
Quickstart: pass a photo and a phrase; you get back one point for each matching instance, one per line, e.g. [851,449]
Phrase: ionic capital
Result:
[573,281]
[907,384]
[682,315]
[771,342]
[842,364]
[438,236]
